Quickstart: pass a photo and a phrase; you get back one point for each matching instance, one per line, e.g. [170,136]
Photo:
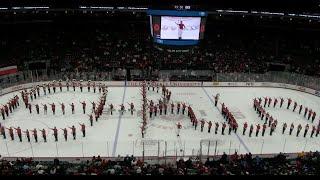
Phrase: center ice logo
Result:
[172,117]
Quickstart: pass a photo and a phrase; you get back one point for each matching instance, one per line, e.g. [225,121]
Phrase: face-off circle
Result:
[172,117]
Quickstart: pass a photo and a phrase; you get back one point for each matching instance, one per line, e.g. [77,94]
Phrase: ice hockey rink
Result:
[118,134]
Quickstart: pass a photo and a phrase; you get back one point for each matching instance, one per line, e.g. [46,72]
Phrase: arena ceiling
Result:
[306,6]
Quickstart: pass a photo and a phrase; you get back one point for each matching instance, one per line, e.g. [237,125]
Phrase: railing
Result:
[154,150]
[172,75]
[186,75]
[279,77]
[38,76]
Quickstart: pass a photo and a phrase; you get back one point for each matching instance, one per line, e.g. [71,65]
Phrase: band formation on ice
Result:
[161,107]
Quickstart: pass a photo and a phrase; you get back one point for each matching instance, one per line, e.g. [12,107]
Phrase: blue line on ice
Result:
[212,102]
[119,122]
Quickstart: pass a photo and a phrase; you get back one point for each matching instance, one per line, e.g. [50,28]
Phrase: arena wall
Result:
[178,84]
[148,159]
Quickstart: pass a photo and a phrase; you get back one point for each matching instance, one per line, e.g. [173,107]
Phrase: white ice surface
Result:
[120,134]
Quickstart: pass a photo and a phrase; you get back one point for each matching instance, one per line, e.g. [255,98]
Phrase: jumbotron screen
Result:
[180,27]
[177,27]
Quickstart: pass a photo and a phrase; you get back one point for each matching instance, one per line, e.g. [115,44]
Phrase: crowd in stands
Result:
[304,164]
[103,47]
[100,47]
